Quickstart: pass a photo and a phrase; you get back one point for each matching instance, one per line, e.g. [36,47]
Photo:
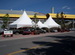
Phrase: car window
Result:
[26,30]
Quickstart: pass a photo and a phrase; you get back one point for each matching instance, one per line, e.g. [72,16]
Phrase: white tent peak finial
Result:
[24,10]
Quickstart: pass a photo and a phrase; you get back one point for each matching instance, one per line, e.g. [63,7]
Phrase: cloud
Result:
[66,7]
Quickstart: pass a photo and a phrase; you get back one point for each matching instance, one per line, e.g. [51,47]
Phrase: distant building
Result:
[15,14]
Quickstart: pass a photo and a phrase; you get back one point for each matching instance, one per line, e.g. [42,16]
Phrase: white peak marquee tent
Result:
[23,21]
[51,23]
[41,25]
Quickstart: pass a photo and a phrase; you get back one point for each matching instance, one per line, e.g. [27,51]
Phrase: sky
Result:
[42,6]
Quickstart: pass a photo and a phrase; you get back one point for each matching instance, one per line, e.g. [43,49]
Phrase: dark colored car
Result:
[42,31]
[1,31]
[15,31]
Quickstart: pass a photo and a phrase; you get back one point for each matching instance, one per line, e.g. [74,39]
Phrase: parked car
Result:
[42,31]
[15,31]
[30,31]
[72,29]
[1,31]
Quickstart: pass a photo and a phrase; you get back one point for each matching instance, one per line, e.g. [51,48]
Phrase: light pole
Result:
[73,23]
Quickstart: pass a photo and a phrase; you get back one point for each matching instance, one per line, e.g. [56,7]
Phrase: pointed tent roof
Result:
[51,23]
[41,25]
[23,21]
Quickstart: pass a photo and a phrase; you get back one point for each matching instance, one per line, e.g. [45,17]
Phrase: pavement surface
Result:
[49,43]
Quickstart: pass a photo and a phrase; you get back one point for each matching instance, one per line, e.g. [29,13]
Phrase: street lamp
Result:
[73,23]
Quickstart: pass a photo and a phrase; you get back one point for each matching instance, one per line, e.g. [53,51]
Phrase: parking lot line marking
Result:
[25,50]
[16,52]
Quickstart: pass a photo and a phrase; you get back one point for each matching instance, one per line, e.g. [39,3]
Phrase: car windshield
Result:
[27,30]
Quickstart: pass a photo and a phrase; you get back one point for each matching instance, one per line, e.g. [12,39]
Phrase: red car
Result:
[29,31]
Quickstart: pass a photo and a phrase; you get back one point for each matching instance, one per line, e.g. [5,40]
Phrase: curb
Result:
[15,37]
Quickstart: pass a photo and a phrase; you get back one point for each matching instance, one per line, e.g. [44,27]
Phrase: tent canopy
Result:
[41,25]
[51,23]
[23,21]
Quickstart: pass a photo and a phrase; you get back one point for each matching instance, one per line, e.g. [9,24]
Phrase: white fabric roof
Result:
[51,23]
[41,25]
[23,21]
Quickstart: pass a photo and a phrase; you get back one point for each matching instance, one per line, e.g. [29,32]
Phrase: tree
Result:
[5,20]
[58,21]
[62,20]
[35,19]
